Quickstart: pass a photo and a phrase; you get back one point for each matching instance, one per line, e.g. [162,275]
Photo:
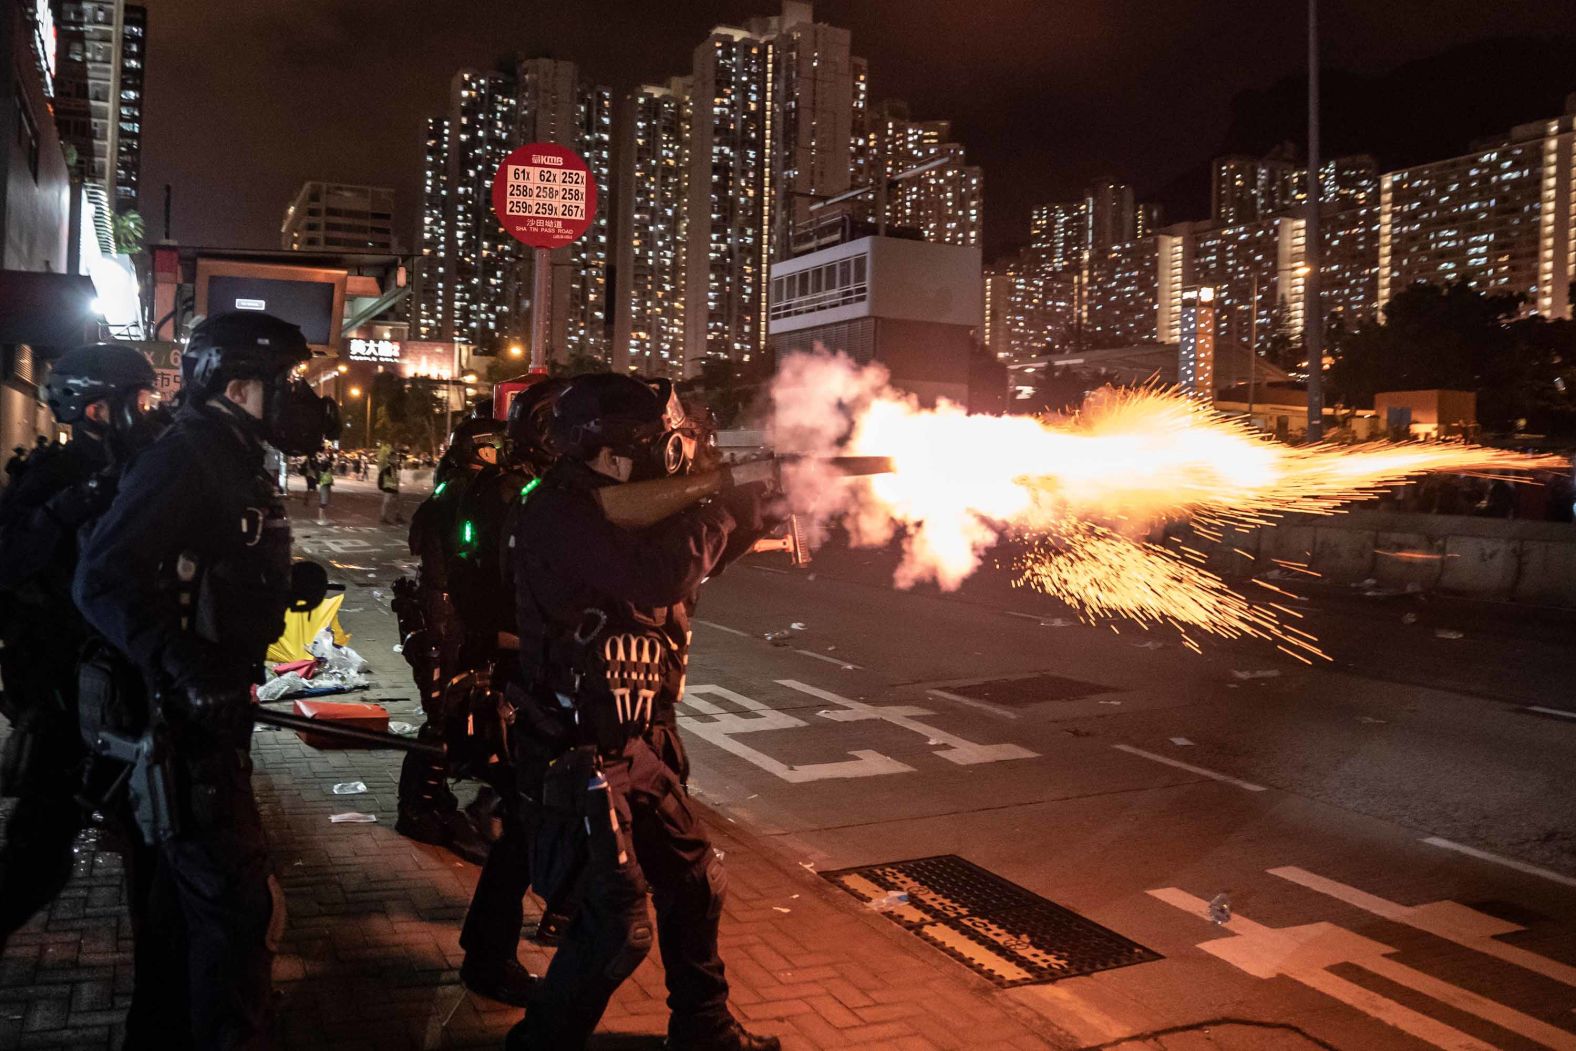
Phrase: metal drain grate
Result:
[1029,690]
[997,928]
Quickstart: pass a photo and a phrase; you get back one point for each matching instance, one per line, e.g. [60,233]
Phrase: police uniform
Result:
[603,615]
[188,575]
[41,636]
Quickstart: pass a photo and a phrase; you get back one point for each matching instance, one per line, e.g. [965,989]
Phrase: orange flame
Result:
[1082,490]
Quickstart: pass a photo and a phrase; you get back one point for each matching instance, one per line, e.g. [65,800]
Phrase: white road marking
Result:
[958,750]
[984,706]
[722,627]
[1550,711]
[1510,863]
[721,725]
[1444,919]
[771,569]
[1305,953]
[1189,767]
[830,660]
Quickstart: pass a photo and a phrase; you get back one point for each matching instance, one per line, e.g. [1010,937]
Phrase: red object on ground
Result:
[305,668]
[544,195]
[361,716]
[505,391]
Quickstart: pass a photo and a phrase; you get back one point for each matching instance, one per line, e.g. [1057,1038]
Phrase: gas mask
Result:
[673,450]
[295,419]
[133,422]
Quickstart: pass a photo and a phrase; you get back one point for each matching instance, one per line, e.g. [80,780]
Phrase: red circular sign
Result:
[544,195]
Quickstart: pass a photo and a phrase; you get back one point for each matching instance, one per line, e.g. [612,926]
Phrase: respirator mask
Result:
[296,420]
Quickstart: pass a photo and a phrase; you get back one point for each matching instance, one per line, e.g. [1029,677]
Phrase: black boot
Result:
[429,813]
[506,981]
[734,1037]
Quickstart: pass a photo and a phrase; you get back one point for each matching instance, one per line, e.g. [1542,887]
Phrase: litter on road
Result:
[351,817]
[350,788]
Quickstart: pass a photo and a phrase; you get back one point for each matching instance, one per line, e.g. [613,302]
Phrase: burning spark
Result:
[1084,492]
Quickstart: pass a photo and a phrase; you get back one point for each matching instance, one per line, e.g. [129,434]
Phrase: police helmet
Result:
[471,441]
[608,410]
[530,427]
[101,371]
[245,345]
[240,345]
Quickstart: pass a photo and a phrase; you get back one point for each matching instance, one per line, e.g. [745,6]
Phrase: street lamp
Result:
[516,351]
[1253,327]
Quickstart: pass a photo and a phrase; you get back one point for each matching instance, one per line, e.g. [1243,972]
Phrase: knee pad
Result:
[635,944]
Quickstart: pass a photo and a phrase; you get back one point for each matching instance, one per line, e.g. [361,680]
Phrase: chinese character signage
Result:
[544,195]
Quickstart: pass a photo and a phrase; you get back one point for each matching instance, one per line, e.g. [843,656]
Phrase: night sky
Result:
[247,100]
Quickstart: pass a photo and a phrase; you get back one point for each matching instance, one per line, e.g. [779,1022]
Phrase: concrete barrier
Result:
[1480,557]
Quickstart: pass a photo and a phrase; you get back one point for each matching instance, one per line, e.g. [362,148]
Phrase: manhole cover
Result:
[1029,690]
[997,928]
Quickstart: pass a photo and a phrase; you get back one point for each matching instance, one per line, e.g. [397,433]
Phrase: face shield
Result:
[296,420]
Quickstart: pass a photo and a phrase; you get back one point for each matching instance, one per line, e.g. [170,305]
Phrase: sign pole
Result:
[541,306]
[544,197]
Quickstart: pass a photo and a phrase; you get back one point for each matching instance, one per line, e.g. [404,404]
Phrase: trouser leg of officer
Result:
[611,934]
[37,858]
[215,873]
[160,1004]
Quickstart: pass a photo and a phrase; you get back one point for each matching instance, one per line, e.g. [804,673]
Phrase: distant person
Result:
[309,472]
[14,465]
[325,490]
[388,484]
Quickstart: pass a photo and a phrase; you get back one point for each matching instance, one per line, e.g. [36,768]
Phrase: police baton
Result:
[370,738]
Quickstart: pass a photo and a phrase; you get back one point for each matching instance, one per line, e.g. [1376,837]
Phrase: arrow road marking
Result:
[1305,954]
[720,726]
[957,749]
[1443,919]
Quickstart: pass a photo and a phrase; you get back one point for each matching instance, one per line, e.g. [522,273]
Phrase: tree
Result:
[129,231]
[1456,338]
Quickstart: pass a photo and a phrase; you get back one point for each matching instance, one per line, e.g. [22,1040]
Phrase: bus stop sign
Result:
[544,195]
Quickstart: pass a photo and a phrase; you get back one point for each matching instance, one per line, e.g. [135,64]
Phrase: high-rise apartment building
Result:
[653,179]
[98,93]
[1502,219]
[557,105]
[944,203]
[429,298]
[811,88]
[474,280]
[1063,228]
[338,217]
[730,197]
[1247,189]
[1112,214]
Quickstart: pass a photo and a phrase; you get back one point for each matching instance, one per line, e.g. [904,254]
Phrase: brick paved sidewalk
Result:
[371,952]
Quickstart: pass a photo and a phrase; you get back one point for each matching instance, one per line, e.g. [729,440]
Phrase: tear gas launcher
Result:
[635,505]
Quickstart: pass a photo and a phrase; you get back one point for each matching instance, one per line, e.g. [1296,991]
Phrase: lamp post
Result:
[1313,314]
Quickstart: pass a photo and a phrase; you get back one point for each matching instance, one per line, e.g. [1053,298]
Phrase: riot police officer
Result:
[188,575]
[603,616]
[450,620]
[103,392]
[491,934]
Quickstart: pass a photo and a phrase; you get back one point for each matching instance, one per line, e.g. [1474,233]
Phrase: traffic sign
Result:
[544,195]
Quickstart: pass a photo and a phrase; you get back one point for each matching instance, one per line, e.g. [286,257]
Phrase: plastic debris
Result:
[1409,618]
[777,638]
[796,626]
[1220,908]
[403,729]
[1182,742]
[350,788]
[1447,633]
[398,648]
[351,817]
[1246,676]
[1150,645]
[779,908]
[892,899]
[287,685]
